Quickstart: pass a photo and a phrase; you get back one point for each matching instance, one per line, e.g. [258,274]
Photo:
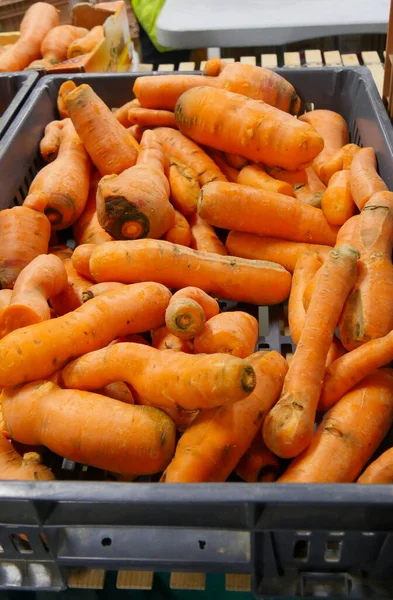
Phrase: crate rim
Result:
[29,79]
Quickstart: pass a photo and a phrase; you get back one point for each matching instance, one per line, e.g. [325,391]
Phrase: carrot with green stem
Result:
[165,378]
[72,297]
[337,203]
[148,117]
[39,350]
[343,444]
[256,176]
[379,471]
[258,464]
[212,446]
[204,238]
[188,310]
[258,282]
[365,180]
[243,208]
[87,229]
[234,333]
[229,172]
[180,232]
[24,235]
[136,203]
[312,191]
[41,413]
[289,426]
[184,185]
[233,123]
[163,339]
[87,43]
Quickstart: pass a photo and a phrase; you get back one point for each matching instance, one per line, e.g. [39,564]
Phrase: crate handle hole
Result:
[333,551]
[201,544]
[301,549]
[106,541]
[21,543]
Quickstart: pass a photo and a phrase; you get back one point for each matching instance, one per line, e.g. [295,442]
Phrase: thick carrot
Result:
[216,440]
[236,161]
[110,146]
[337,203]
[165,378]
[180,232]
[81,257]
[41,279]
[368,313]
[24,235]
[118,390]
[242,208]
[61,188]
[50,143]
[336,350]
[148,117]
[87,43]
[39,19]
[256,176]
[163,92]
[163,339]
[341,160]
[185,318]
[5,298]
[233,333]
[55,44]
[182,150]
[219,158]
[87,229]
[43,413]
[204,238]
[311,192]
[380,471]
[136,203]
[39,350]
[258,282]
[258,247]
[289,426]
[334,131]
[365,180]
[65,88]
[258,463]
[185,188]
[210,305]
[101,288]
[72,297]
[232,123]
[348,435]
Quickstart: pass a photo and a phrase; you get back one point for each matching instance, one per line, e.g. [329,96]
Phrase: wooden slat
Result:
[248,60]
[292,59]
[187,66]
[377,71]
[269,61]
[88,579]
[237,583]
[313,58]
[187,581]
[332,58]
[371,58]
[142,68]
[229,60]
[202,65]
[350,60]
[135,580]
[166,68]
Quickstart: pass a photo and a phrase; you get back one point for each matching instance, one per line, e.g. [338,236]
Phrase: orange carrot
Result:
[242,208]
[71,297]
[294,178]
[87,43]
[165,378]
[81,257]
[57,41]
[149,117]
[42,413]
[39,19]
[180,232]
[185,318]
[233,333]
[39,350]
[87,229]
[163,339]
[65,88]
[41,279]
[236,161]
[336,350]
[61,188]
[219,158]
[50,143]
[163,92]
[204,238]
[101,288]
[24,235]
[216,440]
[258,463]
[343,444]
[334,131]
[201,112]
[289,426]
[121,113]
[365,180]
[256,176]
[136,204]
[380,471]
[5,298]
[313,191]
[137,132]
[176,266]
[118,390]
[110,146]
[258,247]
[181,418]
[341,160]
[184,186]
[210,305]
[337,203]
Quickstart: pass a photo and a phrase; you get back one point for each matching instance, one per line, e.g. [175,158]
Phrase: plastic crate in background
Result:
[14,88]
[295,540]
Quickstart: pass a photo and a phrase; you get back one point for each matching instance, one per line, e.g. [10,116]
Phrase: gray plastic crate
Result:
[14,88]
[295,540]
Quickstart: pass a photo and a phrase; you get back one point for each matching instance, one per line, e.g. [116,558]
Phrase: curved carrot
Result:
[229,172]
[312,191]
[201,113]
[50,143]
[118,390]
[24,235]
[216,440]
[210,305]
[72,297]
[65,88]
[165,378]
[163,339]
[185,318]
[233,333]
[242,208]
[39,350]
[258,247]
[87,43]
[180,232]
[256,176]
[258,463]
[108,143]
[136,204]
[184,186]
[55,44]
[380,471]
[81,258]
[147,117]
[42,413]
[365,180]
[341,160]
[348,435]
[337,203]
[336,350]
[204,238]
[176,266]
[289,426]
[5,298]
[101,288]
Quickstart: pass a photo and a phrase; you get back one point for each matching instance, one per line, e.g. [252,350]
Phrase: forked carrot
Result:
[72,297]
[256,176]
[337,203]
[180,232]
[204,238]
[341,160]
[148,117]
[258,463]
[87,229]
[188,310]
[380,471]
[184,186]
[289,426]
[305,269]
[163,339]
[233,333]
[365,180]
[311,192]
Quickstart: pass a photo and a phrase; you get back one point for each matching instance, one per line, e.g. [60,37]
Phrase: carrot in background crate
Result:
[233,333]
[163,339]
[311,192]
[188,310]
[349,434]
[24,234]
[256,176]
[258,463]
[180,232]
[87,43]
[87,229]
[289,426]
[72,297]
[365,180]
[204,238]
[55,44]
[337,203]
[148,117]
[380,471]
[184,186]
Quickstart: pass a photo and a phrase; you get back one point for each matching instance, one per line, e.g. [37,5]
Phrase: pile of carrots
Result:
[115,353]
